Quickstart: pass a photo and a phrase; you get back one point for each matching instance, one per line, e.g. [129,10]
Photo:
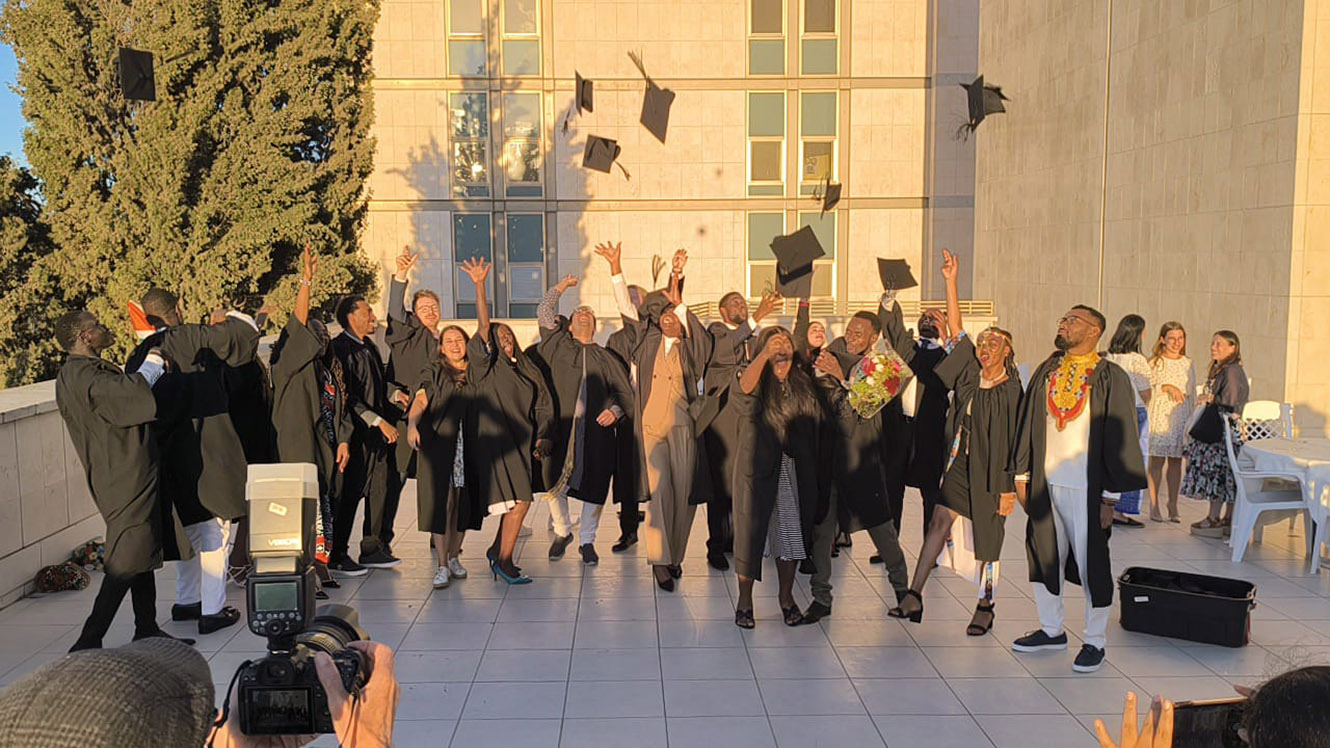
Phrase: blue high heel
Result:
[499,573]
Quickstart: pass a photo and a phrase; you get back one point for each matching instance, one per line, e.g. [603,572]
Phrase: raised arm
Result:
[397,290]
[802,324]
[752,374]
[479,270]
[547,312]
[613,254]
[309,265]
[950,270]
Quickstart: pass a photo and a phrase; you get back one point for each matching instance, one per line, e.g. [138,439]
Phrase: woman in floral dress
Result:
[1173,385]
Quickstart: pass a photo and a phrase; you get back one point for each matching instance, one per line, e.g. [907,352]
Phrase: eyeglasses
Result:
[1073,318]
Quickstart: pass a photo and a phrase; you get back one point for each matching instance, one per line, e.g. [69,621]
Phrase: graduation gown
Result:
[109,415]
[412,351]
[203,462]
[249,392]
[295,406]
[978,474]
[729,354]
[511,411]
[643,340]
[869,452]
[627,482]
[606,385]
[1114,464]
[757,478]
[449,407]
[367,388]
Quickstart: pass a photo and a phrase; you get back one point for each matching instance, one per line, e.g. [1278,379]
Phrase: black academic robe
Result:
[644,340]
[367,388]
[449,407]
[249,392]
[412,351]
[757,477]
[1114,464]
[729,354]
[606,385]
[512,410]
[109,415]
[978,475]
[627,483]
[203,461]
[295,408]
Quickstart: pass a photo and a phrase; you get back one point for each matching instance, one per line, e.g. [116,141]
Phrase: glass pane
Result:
[822,279]
[521,159]
[524,282]
[531,190]
[768,17]
[824,227]
[761,279]
[467,16]
[766,190]
[762,229]
[519,17]
[471,236]
[522,311]
[521,115]
[526,239]
[766,57]
[766,162]
[468,311]
[469,163]
[817,161]
[466,58]
[819,16]
[470,115]
[819,57]
[521,57]
[817,114]
[766,114]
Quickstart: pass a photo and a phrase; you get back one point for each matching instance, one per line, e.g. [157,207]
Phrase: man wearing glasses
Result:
[1076,450]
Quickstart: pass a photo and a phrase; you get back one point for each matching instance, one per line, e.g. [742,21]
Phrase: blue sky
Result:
[11,119]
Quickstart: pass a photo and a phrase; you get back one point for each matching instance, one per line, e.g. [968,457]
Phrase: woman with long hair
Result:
[508,430]
[981,427]
[1209,476]
[1124,349]
[1173,383]
[777,494]
[445,504]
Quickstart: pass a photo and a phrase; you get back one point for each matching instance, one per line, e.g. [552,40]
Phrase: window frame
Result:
[765,36]
[826,264]
[540,266]
[471,37]
[506,36]
[809,187]
[806,36]
[471,189]
[525,190]
[765,188]
[460,279]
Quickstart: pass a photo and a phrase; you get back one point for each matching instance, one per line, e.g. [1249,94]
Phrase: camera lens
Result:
[333,628]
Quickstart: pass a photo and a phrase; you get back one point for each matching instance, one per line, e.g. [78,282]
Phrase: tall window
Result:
[766,37]
[521,144]
[817,139]
[471,238]
[818,50]
[526,263]
[824,270]
[521,37]
[766,143]
[466,37]
[762,229]
[469,126]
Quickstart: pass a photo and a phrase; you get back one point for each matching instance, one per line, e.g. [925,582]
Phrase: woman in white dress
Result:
[1174,386]
[1124,349]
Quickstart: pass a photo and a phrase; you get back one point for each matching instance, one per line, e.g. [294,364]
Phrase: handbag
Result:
[1208,426]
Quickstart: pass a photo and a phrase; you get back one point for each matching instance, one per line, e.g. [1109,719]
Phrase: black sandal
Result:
[979,629]
[744,619]
[793,616]
[914,616]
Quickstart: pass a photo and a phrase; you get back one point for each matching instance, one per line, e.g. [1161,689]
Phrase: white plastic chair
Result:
[1262,492]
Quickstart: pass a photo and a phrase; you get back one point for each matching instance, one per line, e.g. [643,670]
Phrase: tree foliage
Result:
[258,144]
[27,352]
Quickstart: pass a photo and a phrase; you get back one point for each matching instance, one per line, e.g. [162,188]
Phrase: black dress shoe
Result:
[331,584]
[589,555]
[559,545]
[320,595]
[718,561]
[625,541]
[816,612]
[875,559]
[217,621]
[190,612]
[159,634]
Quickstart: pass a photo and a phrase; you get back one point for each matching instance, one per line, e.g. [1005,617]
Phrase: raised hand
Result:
[678,261]
[950,266]
[828,364]
[778,345]
[768,304]
[477,269]
[405,262]
[613,254]
[309,265]
[567,282]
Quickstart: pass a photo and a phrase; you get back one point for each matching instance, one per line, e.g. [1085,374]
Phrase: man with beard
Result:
[731,334]
[1076,450]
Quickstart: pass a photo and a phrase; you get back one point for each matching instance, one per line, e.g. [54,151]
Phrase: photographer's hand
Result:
[368,721]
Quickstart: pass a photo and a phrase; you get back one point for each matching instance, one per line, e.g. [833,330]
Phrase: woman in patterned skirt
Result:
[1173,395]
[777,499]
[1209,476]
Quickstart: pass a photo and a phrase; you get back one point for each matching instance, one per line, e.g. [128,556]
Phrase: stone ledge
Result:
[17,403]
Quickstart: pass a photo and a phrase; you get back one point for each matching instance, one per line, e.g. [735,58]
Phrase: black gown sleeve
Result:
[958,363]
[1123,466]
[802,323]
[893,328]
[121,399]
[234,342]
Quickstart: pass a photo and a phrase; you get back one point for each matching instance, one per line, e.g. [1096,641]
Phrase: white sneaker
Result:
[441,578]
[456,569]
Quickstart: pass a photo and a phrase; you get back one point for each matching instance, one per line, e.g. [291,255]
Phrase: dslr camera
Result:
[280,694]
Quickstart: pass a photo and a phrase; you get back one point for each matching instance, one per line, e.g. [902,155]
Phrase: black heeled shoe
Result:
[914,616]
[667,583]
[744,619]
[978,626]
[675,571]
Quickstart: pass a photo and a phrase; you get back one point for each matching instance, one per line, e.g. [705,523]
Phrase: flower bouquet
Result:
[876,380]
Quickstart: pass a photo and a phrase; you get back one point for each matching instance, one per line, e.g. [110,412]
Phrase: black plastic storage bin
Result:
[1195,607]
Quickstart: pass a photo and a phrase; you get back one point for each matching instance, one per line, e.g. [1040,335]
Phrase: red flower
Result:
[869,366]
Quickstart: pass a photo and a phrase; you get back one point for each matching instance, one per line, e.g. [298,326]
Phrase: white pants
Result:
[203,577]
[590,519]
[1069,517]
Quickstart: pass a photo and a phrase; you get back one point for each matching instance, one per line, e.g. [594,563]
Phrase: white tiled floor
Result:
[599,657]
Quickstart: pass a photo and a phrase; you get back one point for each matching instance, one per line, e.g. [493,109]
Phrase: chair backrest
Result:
[1264,410]
[1264,419]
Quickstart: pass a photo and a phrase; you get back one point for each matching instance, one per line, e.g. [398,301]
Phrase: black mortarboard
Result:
[600,154]
[895,274]
[656,103]
[795,254]
[585,94]
[136,81]
[830,196]
[982,101]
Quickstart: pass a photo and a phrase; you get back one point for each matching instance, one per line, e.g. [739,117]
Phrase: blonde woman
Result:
[1173,388]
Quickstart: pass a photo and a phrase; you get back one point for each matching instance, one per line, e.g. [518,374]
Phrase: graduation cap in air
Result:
[136,80]
[585,92]
[829,195]
[895,274]
[600,154]
[656,102]
[795,254]
[983,100]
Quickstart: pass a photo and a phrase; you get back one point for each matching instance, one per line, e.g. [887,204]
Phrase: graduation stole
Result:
[1069,387]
